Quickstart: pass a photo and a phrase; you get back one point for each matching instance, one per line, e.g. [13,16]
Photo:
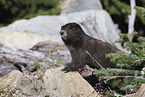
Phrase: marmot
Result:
[84,48]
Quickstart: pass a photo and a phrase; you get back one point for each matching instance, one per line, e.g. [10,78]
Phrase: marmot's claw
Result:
[66,69]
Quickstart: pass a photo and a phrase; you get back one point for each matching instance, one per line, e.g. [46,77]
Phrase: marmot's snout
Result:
[63,34]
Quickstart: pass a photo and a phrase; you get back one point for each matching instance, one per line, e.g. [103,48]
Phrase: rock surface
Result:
[60,84]
[70,6]
[21,85]
[96,23]
[23,40]
[55,83]
[28,61]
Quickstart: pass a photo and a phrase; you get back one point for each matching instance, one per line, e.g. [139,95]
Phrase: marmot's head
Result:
[71,33]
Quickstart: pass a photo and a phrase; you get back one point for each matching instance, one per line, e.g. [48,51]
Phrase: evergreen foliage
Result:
[133,60]
[129,74]
[119,7]
[119,11]
[116,7]
[141,13]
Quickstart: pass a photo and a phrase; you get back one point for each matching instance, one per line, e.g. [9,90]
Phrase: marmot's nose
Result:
[61,32]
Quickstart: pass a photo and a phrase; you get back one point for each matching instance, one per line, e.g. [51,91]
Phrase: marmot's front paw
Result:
[66,69]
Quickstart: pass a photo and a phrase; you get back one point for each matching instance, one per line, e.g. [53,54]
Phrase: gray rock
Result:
[54,83]
[96,23]
[27,61]
[5,66]
[72,84]
[55,48]
[70,6]
[13,58]
[21,85]
[23,40]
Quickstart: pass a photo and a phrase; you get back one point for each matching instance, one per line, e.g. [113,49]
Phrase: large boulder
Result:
[72,84]
[96,23]
[70,6]
[28,61]
[52,83]
[23,40]
[17,84]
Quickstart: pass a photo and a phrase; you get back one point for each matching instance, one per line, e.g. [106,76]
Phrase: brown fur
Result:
[78,43]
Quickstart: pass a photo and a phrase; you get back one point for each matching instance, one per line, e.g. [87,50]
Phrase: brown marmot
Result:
[85,49]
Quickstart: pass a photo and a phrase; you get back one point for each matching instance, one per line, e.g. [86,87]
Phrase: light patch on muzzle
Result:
[63,34]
